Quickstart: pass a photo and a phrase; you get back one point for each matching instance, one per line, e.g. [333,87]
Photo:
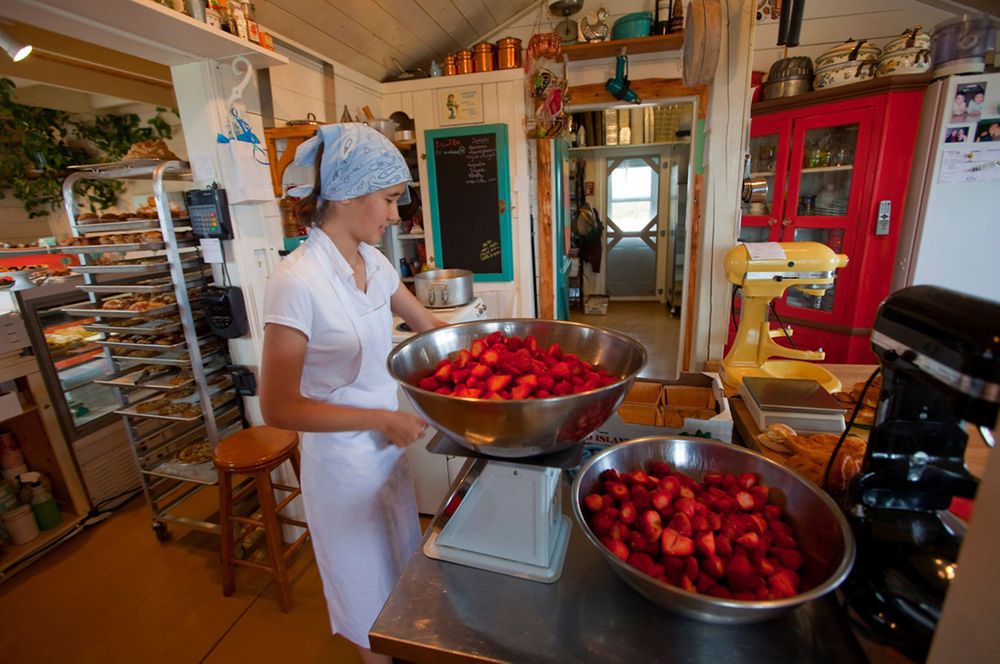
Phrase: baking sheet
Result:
[149,327]
[117,248]
[136,268]
[171,359]
[192,399]
[93,310]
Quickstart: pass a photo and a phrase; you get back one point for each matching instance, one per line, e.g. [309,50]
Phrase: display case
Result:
[837,164]
[143,276]
[69,356]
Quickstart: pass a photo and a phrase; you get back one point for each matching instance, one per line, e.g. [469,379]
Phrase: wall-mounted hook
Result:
[247,74]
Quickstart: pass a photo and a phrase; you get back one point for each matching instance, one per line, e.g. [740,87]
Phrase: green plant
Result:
[38,145]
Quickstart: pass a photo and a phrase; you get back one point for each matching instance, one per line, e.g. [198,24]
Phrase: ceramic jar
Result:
[911,38]
[843,73]
[905,61]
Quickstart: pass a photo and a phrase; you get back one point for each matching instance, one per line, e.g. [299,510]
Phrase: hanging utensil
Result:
[795,23]
[784,16]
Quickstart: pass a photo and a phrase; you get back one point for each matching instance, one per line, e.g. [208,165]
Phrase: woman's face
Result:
[377,211]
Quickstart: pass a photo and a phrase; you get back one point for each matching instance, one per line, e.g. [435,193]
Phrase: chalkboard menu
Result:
[469,180]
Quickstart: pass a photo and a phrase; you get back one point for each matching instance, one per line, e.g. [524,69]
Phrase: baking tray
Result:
[134,268]
[153,327]
[137,346]
[162,382]
[132,411]
[158,285]
[171,359]
[116,248]
[98,226]
[95,311]
[130,377]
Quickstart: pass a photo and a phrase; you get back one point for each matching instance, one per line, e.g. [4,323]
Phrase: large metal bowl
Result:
[824,537]
[525,428]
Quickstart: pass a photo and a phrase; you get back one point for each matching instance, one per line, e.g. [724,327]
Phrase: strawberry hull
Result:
[730,566]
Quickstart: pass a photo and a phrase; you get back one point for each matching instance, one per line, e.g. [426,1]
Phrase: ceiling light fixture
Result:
[15,49]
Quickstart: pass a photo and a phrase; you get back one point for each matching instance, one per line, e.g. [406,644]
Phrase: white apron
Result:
[358,492]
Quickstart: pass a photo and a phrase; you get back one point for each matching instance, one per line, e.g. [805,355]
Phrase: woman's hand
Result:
[401,428]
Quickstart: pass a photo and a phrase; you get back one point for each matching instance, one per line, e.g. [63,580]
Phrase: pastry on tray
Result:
[154,149]
[199,452]
[810,454]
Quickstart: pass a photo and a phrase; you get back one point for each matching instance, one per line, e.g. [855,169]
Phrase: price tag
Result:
[763,251]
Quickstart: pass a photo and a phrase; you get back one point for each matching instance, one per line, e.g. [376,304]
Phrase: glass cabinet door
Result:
[769,162]
[77,362]
[826,174]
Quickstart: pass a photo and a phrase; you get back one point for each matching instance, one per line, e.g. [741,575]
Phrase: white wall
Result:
[826,24]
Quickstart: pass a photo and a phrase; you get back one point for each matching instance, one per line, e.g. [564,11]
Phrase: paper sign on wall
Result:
[246,179]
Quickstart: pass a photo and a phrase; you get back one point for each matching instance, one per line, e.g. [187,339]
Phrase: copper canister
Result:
[484,59]
[450,68]
[463,61]
[509,53]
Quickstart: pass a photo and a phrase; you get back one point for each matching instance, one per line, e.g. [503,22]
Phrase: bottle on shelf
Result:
[253,30]
[43,505]
[11,457]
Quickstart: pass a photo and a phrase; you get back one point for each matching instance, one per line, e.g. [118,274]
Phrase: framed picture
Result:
[988,131]
[460,105]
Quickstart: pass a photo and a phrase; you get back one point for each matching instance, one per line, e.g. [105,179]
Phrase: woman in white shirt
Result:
[328,330]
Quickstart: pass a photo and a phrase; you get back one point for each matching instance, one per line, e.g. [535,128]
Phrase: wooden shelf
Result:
[609,49]
[141,28]
[870,87]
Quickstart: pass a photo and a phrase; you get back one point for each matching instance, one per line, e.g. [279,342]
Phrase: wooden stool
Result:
[258,451]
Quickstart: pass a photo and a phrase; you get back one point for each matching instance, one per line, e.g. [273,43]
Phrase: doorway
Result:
[633,222]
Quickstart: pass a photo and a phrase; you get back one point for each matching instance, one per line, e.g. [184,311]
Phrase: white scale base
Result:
[509,522]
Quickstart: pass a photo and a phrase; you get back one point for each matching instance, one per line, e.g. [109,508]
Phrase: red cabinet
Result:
[837,162]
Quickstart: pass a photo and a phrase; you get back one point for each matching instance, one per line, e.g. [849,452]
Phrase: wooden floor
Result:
[113,593]
[649,323]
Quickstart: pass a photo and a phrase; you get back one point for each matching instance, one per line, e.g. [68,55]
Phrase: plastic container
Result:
[20,524]
[636,24]
[44,507]
[960,45]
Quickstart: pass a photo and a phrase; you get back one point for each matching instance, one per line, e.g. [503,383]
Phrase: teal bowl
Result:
[637,24]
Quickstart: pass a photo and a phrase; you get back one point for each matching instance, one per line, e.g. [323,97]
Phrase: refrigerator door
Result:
[950,236]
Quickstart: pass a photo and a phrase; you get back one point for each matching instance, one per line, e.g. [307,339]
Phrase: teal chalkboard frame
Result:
[499,131]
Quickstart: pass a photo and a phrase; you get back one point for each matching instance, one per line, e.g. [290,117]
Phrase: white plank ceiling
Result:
[367,35]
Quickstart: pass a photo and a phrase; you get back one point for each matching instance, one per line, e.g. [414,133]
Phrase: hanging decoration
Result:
[545,84]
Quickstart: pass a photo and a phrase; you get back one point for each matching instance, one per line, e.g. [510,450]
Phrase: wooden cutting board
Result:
[702,41]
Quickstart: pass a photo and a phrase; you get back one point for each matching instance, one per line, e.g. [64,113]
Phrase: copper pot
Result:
[484,58]
[450,66]
[463,61]
[509,53]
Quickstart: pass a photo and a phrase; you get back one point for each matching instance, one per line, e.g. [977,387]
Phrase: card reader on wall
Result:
[226,312]
[209,212]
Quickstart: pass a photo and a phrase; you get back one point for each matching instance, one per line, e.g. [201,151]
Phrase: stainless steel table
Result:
[441,612]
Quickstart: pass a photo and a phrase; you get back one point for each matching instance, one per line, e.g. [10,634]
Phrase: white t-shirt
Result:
[313,291]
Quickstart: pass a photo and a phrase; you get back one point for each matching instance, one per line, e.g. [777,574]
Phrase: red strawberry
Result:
[473,393]
[494,338]
[660,499]
[784,583]
[554,351]
[594,502]
[609,502]
[546,383]
[513,343]
[705,542]
[659,469]
[760,495]
[758,523]
[430,383]
[617,490]
[497,383]
[490,357]
[531,343]
[740,574]
[609,475]
[723,505]
[681,523]
[686,584]
[619,549]
[686,492]
[781,527]
[639,477]
[789,558]
[675,544]
[443,374]
[699,522]
[746,480]
[783,541]
[750,540]
[714,521]
[691,569]
[476,348]
[745,500]
[713,566]
[619,531]
[713,479]
[685,505]
[640,561]
[772,512]
[651,525]
[527,379]
[443,390]
[560,371]
[628,514]
[638,542]
[673,567]
[720,591]
[562,389]
[767,566]
[641,497]
[520,392]
[704,583]
[481,372]
[723,546]
[602,524]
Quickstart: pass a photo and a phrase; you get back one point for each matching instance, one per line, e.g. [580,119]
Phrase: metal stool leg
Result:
[226,533]
[272,533]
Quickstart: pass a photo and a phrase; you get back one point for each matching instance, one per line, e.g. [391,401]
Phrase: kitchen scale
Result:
[504,516]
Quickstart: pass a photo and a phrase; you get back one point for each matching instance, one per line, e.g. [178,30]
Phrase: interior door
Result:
[826,187]
[633,220]
[769,148]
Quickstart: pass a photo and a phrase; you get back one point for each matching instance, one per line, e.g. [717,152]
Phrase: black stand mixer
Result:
[939,352]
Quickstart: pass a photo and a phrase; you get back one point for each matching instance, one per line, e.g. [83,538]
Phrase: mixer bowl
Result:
[824,537]
[518,428]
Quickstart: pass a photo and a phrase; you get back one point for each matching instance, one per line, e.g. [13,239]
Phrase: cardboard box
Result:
[596,304]
[717,420]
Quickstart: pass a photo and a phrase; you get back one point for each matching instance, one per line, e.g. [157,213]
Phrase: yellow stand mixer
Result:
[764,270]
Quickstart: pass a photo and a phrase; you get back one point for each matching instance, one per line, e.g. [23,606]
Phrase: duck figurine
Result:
[596,31]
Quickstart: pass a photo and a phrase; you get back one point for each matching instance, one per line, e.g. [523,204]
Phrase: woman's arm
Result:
[283,406]
[416,315]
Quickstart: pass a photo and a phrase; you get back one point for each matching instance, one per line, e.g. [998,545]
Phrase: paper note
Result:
[211,250]
[202,168]
[762,251]
[972,164]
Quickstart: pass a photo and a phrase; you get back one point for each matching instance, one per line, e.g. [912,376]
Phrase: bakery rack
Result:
[148,367]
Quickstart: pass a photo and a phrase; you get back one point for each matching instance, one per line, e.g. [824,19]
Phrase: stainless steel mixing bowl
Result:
[824,537]
[515,429]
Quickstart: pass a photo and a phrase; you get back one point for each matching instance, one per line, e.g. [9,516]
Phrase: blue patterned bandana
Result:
[357,160]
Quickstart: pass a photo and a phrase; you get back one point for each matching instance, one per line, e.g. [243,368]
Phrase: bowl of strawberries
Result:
[514,388]
[710,530]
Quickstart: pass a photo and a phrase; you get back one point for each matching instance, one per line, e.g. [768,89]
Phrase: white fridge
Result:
[951,221]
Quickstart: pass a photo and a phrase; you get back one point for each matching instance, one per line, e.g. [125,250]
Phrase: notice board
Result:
[469,184]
